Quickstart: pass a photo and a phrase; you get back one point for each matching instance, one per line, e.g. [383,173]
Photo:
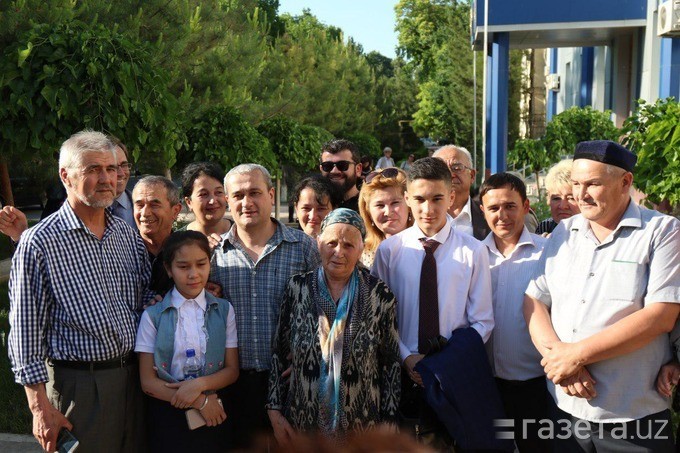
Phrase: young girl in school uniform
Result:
[187,318]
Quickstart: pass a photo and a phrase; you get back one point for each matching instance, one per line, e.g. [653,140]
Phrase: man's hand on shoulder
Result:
[13,222]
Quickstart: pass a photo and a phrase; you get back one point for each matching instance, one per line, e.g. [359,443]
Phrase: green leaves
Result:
[653,134]
[578,124]
[67,78]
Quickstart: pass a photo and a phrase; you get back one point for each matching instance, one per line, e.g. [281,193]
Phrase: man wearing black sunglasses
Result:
[340,163]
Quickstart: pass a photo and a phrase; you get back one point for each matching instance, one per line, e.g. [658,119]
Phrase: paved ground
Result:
[15,443]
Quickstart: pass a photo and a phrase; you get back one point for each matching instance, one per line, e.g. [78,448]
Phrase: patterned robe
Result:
[370,373]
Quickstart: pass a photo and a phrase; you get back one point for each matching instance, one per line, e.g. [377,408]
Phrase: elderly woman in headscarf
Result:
[337,332]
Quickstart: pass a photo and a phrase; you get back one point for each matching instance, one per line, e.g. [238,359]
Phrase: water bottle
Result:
[192,367]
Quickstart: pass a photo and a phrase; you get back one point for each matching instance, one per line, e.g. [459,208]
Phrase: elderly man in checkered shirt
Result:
[77,285]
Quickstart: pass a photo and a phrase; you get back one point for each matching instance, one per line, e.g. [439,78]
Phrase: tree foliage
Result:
[653,133]
[578,124]
[221,134]
[367,143]
[55,81]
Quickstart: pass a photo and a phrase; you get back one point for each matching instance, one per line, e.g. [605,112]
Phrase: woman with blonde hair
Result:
[383,209]
[560,197]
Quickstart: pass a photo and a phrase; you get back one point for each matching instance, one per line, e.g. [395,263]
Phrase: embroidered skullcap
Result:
[607,152]
[344,215]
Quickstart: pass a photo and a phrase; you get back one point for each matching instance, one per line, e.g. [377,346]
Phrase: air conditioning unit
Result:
[552,82]
[668,20]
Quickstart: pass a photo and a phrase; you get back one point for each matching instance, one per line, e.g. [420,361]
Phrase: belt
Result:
[251,371]
[119,362]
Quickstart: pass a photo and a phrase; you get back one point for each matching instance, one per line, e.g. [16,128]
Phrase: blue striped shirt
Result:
[255,289]
[74,296]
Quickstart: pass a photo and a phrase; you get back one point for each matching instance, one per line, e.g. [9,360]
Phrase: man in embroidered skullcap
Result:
[605,296]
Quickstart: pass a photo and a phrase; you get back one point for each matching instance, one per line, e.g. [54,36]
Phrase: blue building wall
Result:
[506,12]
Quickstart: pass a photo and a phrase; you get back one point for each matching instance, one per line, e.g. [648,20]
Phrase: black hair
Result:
[500,180]
[178,239]
[322,188]
[430,168]
[338,145]
[194,170]
[366,160]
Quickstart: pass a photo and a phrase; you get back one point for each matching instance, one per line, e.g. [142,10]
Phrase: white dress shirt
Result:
[463,282]
[463,221]
[189,334]
[514,356]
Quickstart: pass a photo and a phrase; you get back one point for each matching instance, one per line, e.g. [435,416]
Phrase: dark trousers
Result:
[106,407]
[526,402]
[419,419]
[653,433]
[169,431]
[244,402]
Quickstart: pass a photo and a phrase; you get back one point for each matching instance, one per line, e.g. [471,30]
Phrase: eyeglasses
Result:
[390,172]
[458,168]
[342,165]
[126,166]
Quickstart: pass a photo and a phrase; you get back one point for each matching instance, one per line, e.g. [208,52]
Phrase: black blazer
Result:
[480,229]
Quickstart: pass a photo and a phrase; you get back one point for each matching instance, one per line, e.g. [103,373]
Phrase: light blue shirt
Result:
[514,356]
[589,286]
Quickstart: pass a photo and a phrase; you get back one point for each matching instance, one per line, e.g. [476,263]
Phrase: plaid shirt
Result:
[255,289]
[74,296]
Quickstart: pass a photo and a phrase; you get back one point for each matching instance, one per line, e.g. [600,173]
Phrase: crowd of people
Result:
[399,303]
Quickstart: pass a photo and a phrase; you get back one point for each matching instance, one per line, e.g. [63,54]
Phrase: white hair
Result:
[245,169]
[461,149]
[72,150]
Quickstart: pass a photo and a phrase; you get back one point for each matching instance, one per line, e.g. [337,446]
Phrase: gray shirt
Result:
[590,285]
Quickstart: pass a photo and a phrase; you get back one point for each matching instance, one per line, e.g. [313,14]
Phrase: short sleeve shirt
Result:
[590,285]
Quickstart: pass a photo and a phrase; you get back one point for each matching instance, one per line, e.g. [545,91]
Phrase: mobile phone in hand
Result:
[67,442]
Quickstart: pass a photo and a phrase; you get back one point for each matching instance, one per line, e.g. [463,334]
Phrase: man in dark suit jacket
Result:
[467,216]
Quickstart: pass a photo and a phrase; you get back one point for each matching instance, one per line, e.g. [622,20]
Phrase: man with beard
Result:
[340,162]
[77,285]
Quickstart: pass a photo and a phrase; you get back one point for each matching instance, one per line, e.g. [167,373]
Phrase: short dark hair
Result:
[116,141]
[338,145]
[322,188]
[194,170]
[171,189]
[500,180]
[430,168]
[180,238]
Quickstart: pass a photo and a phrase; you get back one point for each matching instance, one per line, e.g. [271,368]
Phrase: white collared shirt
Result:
[514,356]
[189,334]
[589,286]
[463,221]
[463,282]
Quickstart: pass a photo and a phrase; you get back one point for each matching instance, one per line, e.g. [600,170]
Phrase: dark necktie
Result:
[428,321]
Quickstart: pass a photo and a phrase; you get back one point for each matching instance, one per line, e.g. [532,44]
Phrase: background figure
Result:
[122,205]
[340,164]
[560,197]
[383,209]
[314,197]
[338,332]
[204,195]
[386,160]
[366,166]
[406,165]
[467,216]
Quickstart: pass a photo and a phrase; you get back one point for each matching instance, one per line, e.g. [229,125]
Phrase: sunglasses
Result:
[386,173]
[342,165]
